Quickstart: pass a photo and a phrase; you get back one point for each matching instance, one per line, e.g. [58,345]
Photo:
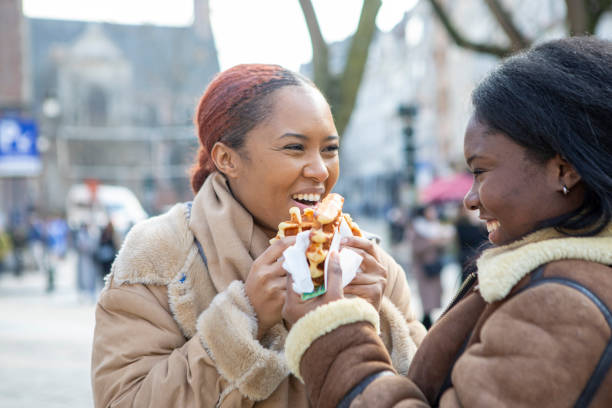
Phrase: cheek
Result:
[496,198]
[333,167]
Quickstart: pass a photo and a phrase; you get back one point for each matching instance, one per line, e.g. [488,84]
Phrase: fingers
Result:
[292,296]
[368,251]
[371,293]
[275,251]
[369,265]
[366,279]
[360,243]
[294,306]
[334,276]
[270,262]
[363,290]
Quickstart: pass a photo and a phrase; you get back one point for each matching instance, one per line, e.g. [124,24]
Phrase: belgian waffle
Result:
[322,222]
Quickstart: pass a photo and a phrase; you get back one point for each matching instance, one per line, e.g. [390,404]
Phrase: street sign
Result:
[19,155]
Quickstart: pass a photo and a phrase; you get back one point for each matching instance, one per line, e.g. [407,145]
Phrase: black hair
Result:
[556,98]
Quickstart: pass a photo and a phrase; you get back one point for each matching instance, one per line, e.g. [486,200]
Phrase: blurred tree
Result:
[582,17]
[341,89]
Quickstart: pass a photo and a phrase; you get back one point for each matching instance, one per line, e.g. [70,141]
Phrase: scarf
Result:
[226,231]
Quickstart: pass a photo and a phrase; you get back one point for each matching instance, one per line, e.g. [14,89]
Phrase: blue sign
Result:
[18,152]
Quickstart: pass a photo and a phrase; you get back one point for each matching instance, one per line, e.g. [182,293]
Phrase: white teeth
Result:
[307,197]
[492,225]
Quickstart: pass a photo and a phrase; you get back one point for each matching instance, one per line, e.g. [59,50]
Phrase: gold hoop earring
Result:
[565,190]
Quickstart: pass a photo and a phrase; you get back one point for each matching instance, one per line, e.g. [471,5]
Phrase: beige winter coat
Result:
[174,332]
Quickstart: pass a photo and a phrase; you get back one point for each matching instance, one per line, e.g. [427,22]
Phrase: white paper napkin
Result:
[296,263]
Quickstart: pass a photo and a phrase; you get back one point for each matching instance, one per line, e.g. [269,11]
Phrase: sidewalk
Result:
[45,341]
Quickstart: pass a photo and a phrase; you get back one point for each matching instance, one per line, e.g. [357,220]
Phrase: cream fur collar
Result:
[501,268]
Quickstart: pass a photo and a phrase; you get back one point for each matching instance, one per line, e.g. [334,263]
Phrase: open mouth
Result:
[492,225]
[307,199]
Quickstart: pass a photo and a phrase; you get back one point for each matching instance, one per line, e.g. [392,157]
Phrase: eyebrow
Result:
[471,158]
[304,137]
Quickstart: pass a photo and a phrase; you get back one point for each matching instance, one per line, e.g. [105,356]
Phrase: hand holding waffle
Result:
[316,228]
[265,285]
[371,281]
[295,307]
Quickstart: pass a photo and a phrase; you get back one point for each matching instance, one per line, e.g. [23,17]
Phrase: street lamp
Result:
[408,113]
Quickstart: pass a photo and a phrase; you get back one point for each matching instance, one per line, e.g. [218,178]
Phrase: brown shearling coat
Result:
[499,346]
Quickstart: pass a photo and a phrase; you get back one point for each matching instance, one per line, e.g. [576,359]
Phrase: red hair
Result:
[234,102]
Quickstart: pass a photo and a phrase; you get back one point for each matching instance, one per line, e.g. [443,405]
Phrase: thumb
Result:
[334,276]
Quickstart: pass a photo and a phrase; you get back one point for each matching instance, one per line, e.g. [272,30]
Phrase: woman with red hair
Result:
[191,313]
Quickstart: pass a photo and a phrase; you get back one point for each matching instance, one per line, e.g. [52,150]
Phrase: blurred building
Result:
[13,77]
[414,101]
[14,98]
[114,103]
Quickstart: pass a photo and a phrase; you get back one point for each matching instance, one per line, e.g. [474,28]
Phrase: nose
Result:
[471,200]
[316,169]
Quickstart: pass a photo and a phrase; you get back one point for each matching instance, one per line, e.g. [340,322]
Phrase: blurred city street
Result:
[45,340]
[450,275]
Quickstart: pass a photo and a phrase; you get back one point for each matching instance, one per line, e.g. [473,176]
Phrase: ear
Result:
[226,159]
[564,173]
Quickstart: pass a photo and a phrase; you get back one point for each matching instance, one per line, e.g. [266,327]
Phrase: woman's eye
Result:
[477,172]
[331,148]
[296,146]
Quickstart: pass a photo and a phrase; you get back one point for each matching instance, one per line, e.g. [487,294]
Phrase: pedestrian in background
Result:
[87,268]
[57,238]
[106,250]
[37,241]
[18,231]
[6,245]
[196,294]
[428,238]
[535,329]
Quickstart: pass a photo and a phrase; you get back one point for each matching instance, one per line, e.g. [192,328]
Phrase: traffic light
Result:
[408,114]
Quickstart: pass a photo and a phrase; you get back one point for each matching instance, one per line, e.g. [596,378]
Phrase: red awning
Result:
[451,188]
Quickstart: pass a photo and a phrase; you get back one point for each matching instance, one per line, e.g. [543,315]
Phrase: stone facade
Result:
[13,88]
[125,96]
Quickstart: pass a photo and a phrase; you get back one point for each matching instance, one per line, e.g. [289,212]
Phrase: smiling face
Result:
[512,192]
[290,159]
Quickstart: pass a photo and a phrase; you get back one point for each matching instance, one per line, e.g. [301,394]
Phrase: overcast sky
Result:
[271,31]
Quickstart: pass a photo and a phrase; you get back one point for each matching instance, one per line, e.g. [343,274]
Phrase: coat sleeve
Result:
[398,292]
[141,358]
[336,348]
[401,332]
[537,349]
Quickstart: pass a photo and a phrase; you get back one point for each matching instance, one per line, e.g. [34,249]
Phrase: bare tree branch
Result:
[577,17]
[356,62]
[596,8]
[461,41]
[517,39]
[320,52]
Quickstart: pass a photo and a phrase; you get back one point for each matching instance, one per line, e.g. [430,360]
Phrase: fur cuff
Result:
[227,331]
[322,320]
[403,347]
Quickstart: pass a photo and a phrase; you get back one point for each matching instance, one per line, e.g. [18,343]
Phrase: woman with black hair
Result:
[533,326]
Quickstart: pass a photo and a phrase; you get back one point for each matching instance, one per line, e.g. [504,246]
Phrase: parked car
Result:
[115,203]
